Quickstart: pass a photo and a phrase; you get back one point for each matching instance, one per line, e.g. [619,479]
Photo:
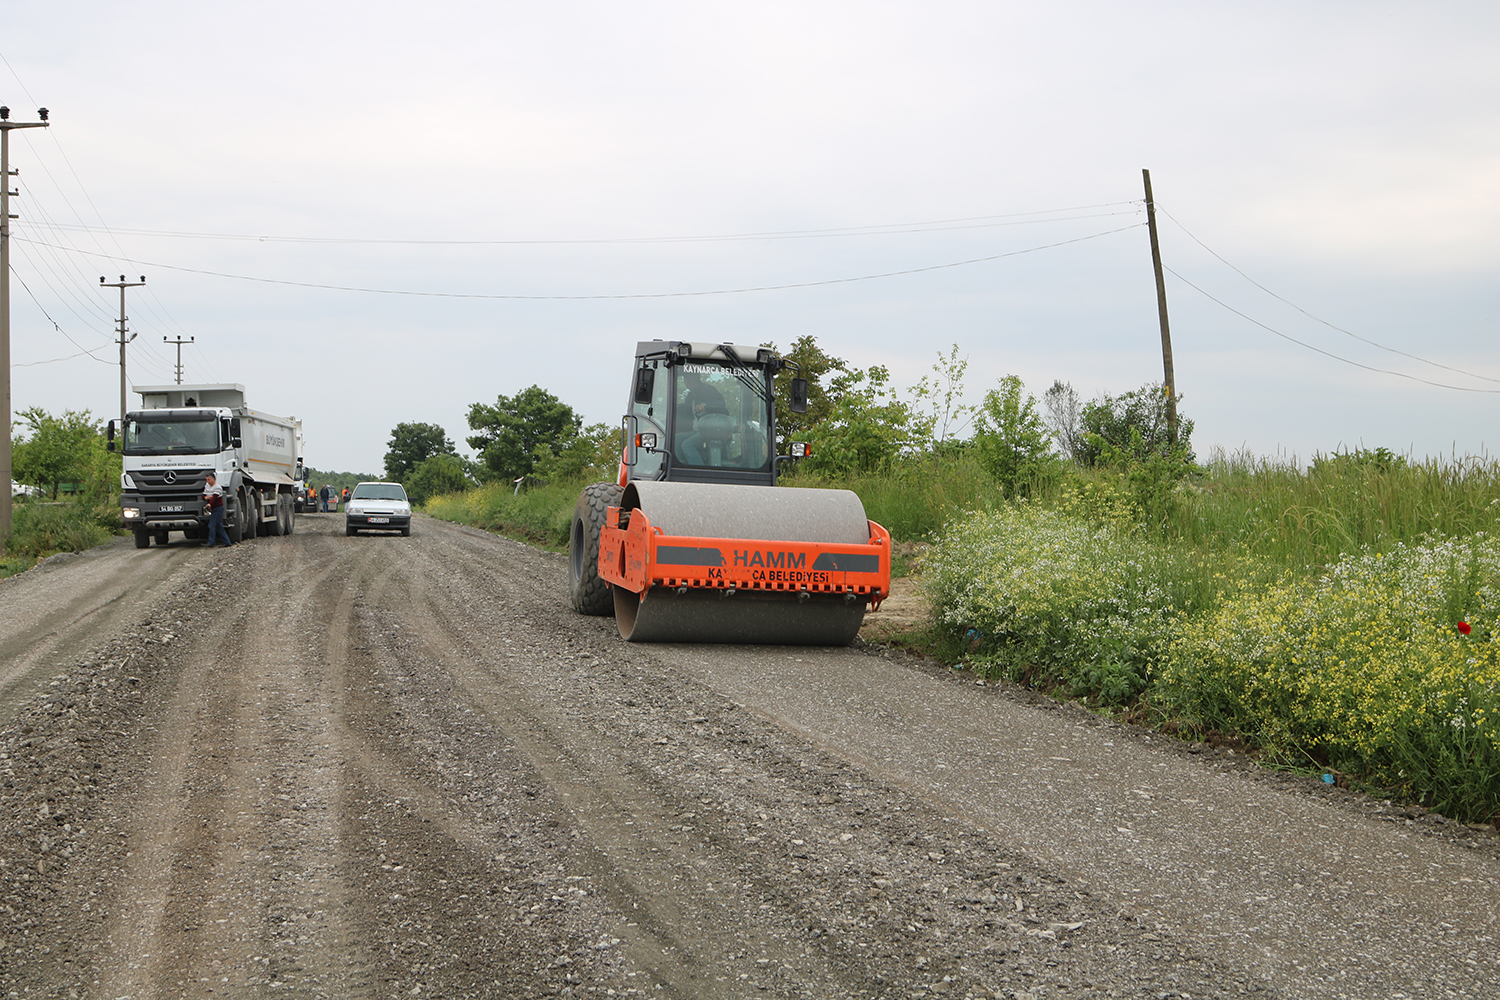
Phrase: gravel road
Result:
[319,766]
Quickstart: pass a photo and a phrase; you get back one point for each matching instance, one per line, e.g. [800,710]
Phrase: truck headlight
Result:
[130,512]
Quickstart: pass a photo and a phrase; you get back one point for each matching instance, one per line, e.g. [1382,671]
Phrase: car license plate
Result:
[379,520]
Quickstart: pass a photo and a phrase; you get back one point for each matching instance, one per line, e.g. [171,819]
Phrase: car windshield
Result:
[722,416]
[378,491]
[144,436]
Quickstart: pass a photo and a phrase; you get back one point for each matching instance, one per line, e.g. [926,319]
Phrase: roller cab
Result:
[695,542]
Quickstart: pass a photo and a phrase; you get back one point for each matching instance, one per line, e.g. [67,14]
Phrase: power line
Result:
[1317,319]
[623,295]
[1319,350]
[891,229]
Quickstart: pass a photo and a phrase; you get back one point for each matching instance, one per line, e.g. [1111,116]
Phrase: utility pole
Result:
[5,195]
[122,284]
[1161,311]
[179,342]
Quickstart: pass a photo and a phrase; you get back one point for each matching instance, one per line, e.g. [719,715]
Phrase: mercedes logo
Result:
[169,477]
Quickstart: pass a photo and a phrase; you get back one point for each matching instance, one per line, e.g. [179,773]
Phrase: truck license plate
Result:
[171,508]
[379,520]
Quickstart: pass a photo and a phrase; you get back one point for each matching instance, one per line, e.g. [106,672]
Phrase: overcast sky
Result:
[550,177]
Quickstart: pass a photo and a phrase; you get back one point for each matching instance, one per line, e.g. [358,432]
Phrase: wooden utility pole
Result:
[1161,311]
[5,195]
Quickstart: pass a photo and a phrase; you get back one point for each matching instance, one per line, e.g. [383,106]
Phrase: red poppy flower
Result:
[1464,627]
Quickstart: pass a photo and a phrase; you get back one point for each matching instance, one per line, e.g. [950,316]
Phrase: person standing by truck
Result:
[326,497]
[213,495]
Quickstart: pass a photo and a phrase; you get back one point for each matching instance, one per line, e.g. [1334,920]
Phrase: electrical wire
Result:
[1318,319]
[625,295]
[58,327]
[1319,350]
[939,225]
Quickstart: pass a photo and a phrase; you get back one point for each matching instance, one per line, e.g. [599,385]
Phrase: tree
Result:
[814,366]
[411,445]
[865,428]
[1011,441]
[939,408]
[64,451]
[594,452]
[1132,427]
[1063,418]
[436,475]
[515,432]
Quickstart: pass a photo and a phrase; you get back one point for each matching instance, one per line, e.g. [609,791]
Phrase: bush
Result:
[1045,598]
[1365,669]
[42,529]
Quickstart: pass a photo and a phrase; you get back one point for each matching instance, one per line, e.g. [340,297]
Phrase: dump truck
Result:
[695,541]
[180,434]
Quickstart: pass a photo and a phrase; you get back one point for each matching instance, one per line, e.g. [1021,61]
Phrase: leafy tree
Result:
[865,428]
[815,366]
[411,445]
[1134,426]
[64,451]
[938,410]
[1011,441]
[516,431]
[594,452]
[436,475]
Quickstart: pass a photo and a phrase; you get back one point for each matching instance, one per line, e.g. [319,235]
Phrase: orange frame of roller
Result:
[638,556]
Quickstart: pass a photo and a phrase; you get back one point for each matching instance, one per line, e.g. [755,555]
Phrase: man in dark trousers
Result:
[327,495]
[213,495]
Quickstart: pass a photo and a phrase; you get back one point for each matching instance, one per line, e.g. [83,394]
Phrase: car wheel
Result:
[351,531]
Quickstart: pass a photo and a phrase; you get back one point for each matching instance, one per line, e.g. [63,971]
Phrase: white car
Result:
[22,490]
[377,507]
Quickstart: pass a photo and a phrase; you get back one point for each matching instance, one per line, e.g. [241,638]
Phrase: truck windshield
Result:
[722,417]
[144,436]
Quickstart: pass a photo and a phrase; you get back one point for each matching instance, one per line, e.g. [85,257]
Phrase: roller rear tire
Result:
[590,594]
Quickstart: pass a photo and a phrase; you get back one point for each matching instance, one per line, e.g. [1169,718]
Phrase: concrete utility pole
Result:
[179,342]
[5,195]
[122,284]
[1161,311]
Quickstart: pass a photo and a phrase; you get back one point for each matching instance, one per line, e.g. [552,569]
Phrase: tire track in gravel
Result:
[42,629]
[232,877]
[678,938]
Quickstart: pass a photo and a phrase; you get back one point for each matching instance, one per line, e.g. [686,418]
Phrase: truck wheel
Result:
[591,595]
[236,529]
[161,538]
[252,516]
[291,519]
[143,539]
[274,526]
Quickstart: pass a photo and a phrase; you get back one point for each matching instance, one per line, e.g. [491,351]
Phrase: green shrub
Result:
[1365,669]
[1046,598]
[42,529]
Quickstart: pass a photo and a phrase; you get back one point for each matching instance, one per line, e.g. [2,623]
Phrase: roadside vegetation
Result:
[1338,618]
[71,483]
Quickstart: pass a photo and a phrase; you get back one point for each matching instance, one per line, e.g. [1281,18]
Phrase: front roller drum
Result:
[751,617]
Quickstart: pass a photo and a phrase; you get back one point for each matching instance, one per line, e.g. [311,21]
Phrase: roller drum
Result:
[702,510]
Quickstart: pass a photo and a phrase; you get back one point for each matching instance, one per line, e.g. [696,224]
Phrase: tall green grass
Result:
[1302,520]
[540,514]
[40,529]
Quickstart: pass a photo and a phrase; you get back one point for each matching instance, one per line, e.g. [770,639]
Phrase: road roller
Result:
[694,541]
